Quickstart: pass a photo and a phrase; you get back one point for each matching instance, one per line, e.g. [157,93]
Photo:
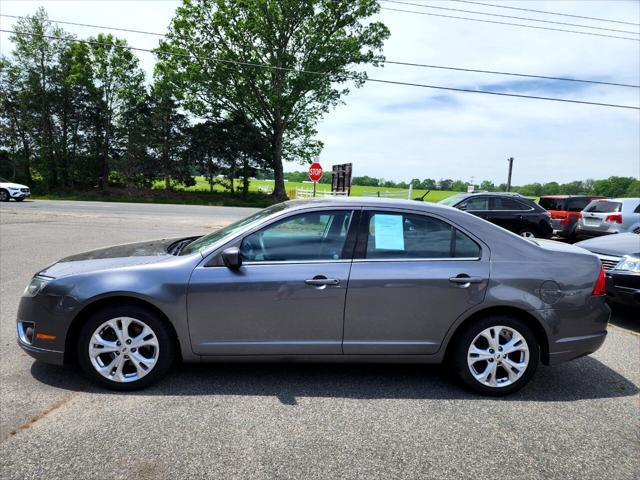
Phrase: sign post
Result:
[315,173]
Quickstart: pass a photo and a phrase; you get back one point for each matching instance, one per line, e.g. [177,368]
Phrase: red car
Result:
[565,211]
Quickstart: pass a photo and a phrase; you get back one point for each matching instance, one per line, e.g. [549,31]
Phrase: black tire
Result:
[166,346]
[4,195]
[528,230]
[458,357]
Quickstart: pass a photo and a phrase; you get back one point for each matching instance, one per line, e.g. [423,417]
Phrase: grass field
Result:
[356,191]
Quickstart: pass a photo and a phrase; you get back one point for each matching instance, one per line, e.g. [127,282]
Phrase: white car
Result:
[9,190]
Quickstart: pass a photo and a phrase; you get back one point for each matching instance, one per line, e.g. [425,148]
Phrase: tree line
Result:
[609,187]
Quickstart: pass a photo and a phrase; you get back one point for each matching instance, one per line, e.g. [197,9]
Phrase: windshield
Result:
[205,242]
[451,201]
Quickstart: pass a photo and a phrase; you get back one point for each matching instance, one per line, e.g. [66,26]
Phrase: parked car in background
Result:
[348,280]
[620,256]
[512,211]
[9,190]
[565,211]
[606,216]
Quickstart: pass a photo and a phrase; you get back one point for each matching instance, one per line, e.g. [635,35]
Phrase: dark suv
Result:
[565,211]
[512,211]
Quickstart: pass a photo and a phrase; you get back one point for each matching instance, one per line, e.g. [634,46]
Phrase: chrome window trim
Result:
[294,262]
[441,259]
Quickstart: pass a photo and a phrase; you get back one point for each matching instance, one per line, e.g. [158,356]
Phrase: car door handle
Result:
[465,280]
[320,281]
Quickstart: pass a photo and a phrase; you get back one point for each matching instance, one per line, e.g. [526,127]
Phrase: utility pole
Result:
[510,160]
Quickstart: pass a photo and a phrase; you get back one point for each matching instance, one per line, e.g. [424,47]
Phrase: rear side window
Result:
[553,203]
[409,236]
[637,209]
[603,206]
[503,203]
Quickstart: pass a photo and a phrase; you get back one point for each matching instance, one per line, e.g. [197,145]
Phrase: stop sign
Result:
[315,172]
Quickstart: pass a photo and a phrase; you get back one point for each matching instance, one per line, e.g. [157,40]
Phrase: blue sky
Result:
[398,132]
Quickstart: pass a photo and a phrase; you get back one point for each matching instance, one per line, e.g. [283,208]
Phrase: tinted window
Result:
[504,203]
[637,210]
[308,236]
[476,203]
[549,203]
[577,204]
[603,206]
[403,235]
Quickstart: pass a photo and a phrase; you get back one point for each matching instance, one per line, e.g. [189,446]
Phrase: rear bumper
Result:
[575,347]
[44,355]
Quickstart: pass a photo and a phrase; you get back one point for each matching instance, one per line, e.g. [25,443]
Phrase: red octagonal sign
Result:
[315,172]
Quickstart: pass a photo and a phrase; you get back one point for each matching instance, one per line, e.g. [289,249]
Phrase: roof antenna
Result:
[421,199]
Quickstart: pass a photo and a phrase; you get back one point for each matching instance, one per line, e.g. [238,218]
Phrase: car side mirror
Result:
[232,258]
[462,207]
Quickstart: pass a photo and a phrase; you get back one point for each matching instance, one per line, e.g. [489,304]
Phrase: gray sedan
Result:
[362,280]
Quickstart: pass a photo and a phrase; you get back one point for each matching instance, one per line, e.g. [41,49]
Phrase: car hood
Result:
[118,256]
[616,245]
[12,185]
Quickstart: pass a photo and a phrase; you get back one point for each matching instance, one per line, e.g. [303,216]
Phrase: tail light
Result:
[615,218]
[564,221]
[600,287]
[579,215]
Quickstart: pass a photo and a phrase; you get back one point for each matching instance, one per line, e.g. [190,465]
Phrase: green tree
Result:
[445,184]
[488,186]
[634,189]
[116,71]
[216,42]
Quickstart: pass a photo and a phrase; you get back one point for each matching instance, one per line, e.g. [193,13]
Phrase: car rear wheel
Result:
[496,355]
[528,232]
[125,347]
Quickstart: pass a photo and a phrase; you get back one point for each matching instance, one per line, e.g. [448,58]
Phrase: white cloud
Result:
[400,132]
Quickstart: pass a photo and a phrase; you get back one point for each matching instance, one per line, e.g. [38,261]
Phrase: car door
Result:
[510,214]
[287,297]
[412,276]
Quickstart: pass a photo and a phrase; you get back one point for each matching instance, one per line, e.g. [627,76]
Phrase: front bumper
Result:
[22,193]
[53,357]
[624,288]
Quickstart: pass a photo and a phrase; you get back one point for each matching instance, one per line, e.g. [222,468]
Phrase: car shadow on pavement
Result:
[585,378]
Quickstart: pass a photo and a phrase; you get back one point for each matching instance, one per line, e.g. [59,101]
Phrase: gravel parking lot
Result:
[577,420]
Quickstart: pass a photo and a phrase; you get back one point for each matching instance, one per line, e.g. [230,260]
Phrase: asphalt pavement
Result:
[576,420]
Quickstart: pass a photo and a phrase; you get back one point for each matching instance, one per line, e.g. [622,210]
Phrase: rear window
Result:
[553,203]
[577,204]
[603,206]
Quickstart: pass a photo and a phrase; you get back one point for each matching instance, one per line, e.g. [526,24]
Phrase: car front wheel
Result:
[496,355]
[528,233]
[125,347]
[4,196]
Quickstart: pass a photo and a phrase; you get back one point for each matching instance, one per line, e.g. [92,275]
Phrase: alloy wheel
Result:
[527,234]
[4,196]
[498,356]
[124,349]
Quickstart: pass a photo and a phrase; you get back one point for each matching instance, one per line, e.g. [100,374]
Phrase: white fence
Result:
[408,194]
[308,193]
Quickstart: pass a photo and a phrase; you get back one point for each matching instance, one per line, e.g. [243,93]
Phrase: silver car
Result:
[362,280]
[606,216]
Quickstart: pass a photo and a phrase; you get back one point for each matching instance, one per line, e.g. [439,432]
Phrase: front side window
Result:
[410,236]
[309,236]
[476,204]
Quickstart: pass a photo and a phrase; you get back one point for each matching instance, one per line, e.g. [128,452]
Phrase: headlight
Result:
[629,264]
[36,286]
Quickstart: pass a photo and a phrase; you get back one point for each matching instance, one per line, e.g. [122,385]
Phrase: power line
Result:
[421,5]
[509,23]
[391,62]
[546,12]
[347,77]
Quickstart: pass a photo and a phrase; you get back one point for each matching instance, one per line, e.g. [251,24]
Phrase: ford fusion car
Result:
[362,280]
